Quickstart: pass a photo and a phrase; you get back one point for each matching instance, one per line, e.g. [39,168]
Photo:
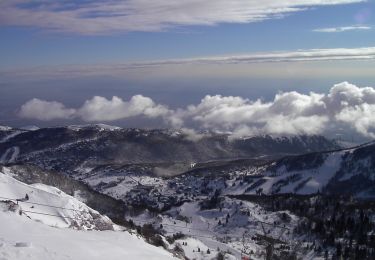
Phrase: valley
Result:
[211,198]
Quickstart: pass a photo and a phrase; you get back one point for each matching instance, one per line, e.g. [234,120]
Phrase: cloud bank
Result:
[344,106]
[343,29]
[93,110]
[100,17]
[45,110]
[102,109]
[308,55]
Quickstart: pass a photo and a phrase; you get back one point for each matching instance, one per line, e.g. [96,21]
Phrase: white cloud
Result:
[191,135]
[99,16]
[361,117]
[45,110]
[288,113]
[343,29]
[102,109]
[285,56]
[97,109]
[344,106]
[353,106]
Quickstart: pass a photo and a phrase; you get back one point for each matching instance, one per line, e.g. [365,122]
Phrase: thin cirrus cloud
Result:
[344,106]
[102,17]
[283,56]
[343,29]
[337,54]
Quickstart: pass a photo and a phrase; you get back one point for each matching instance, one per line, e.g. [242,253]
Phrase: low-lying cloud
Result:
[45,110]
[102,109]
[344,106]
[97,109]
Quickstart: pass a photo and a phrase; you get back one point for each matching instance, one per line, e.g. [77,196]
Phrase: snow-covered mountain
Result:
[194,229]
[342,172]
[45,227]
[70,148]
[200,196]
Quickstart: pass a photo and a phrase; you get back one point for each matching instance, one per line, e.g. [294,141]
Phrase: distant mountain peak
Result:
[5,128]
[96,126]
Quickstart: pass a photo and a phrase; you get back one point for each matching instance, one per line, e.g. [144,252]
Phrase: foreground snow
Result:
[22,238]
[52,206]
[51,236]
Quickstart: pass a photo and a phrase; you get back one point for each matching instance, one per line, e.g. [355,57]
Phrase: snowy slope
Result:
[22,238]
[301,181]
[203,230]
[46,236]
[62,210]
[10,136]
[345,171]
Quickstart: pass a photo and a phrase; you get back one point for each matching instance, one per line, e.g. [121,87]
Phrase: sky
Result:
[240,66]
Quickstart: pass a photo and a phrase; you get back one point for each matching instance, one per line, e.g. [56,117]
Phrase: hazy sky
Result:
[174,63]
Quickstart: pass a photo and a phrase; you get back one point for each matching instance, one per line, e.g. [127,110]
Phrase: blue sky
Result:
[56,56]
[34,46]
